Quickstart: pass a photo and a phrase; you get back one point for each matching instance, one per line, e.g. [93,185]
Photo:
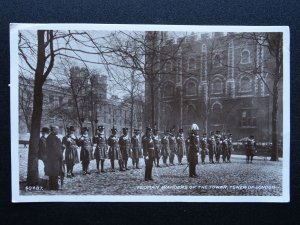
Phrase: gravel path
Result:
[262,178]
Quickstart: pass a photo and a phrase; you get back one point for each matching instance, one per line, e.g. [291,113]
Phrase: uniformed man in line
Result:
[42,146]
[230,148]
[224,148]
[86,152]
[156,140]
[203,144]
[218,145]
[211,147]
[165,148]
[172,146]
[113,152]
[54,158]
[136,149]
[148,152]
[193,143]
[124,143]
[250,148]
[180,146]
[69,143]
[100,153]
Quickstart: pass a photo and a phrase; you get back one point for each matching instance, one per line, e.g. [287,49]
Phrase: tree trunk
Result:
[274,153]
[152,105]
[33,170]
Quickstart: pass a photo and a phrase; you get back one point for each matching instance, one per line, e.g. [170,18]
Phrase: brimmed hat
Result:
[136,131]
[204,134]
[84,129]
[217,131]
[52,128]
[148,129]
[114,129]
[180,130]
[45,130]
[71,128]
[101,127]
[125,129]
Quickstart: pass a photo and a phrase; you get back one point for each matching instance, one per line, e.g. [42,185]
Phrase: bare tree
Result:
[38,53]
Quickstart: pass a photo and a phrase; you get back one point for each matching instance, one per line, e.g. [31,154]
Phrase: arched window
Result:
[217,86]
[245,57]
[192,64]
[191,114]
[191,88]
[168,90]
[245,84]
[217,60]
[168,67]
[216,116]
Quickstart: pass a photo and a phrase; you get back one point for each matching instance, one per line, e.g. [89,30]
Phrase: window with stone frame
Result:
[246,85]
[168,90]
[245,57]
[217,62]
[217,86]
[247,118]
[191,89]
[192,64]
[168,67]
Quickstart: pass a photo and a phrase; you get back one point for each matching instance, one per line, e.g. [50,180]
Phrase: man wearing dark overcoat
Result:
[180,146]
[54,158]
[100,153]
[42,146]
[113,151]
[86,152]
[136,149]
[124,143]
[148,152]
[70,145]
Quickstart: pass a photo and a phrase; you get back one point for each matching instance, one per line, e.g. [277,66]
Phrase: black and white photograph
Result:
[150,113]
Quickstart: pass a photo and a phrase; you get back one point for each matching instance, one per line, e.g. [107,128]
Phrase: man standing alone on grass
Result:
[54,158]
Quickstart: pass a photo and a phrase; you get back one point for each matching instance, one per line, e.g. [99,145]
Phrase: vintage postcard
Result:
[150,113]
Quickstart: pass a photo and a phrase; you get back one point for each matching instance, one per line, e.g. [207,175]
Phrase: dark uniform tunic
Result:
[218,146]
[71,154]
[124,143]
[136,148]
[149,154]
[180,147]
[101,148]
[113,152]
[192,154]
[211,148]
[173,148]
[156,146]
[250,149]
[42,154]
[86,153]
[165,148]
[203,144]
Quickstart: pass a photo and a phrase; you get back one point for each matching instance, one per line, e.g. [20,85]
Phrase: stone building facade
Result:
[216,80]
